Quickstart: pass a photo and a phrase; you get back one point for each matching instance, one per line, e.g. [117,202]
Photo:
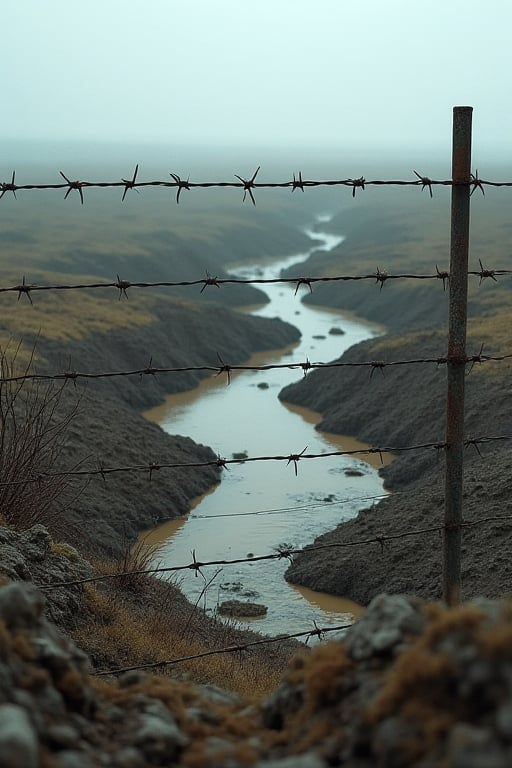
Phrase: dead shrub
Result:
[33,423]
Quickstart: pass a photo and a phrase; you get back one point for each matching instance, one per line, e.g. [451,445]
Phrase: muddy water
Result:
[260,506]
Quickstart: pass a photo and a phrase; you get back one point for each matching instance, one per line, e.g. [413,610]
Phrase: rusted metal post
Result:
[459,248]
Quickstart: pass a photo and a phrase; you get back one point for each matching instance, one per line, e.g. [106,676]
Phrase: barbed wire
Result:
[222,463]
[247,185]
[228,369]
[379,276]
[237,648]
[282,553]
[301,507]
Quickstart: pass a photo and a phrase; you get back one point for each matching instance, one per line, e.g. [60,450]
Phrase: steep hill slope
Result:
[404,405]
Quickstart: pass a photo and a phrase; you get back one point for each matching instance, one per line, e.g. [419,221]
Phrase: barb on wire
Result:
[442,275]
[295,458]
[130,183]
[306,366]
[484,273]
[101,470]
[476,183]
[70,375]
[149,370]
[297,182]
[249,185]
[476,358]
[224,368]
[381,277]
[196,566]
[474,443]
[426,183]
[357,183]
[209,280]
[24,289]
[153,467]
[377,365]
[73,185]
[304,281]
[318,632]
[221,463]
[181,184]
[122,286]
[9,186]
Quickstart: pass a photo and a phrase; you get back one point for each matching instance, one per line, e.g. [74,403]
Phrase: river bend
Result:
[261,506]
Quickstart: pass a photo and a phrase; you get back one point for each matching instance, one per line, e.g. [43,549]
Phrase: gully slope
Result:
[405,406]
[108,429]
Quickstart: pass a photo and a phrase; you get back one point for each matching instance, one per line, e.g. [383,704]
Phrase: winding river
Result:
[260,506]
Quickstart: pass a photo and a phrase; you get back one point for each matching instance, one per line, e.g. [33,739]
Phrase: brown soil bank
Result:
[404,406]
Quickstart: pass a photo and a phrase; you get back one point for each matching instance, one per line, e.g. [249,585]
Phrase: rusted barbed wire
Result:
[237,648]
[228,369]
[379,277]
[222,463]
[282,553]
[247,185]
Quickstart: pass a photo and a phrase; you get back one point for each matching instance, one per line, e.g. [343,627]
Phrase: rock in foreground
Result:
[412,684]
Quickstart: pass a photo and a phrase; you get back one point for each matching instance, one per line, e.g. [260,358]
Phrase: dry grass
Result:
[68,315]
[139,619]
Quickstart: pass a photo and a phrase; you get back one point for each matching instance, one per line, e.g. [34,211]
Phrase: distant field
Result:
[148,237]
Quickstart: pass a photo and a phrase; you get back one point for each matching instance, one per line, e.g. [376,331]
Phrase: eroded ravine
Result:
[261,506]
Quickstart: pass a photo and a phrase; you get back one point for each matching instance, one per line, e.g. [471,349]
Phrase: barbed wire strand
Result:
[239,647]
[301,507]
[247,185]
[379,276]
[227,368]
[223,463]
[280,554]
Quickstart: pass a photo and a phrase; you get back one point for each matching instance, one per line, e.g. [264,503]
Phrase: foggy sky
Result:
[289,72]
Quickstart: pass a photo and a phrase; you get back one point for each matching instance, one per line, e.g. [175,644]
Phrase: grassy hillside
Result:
[145,238]
[406,405]
[404,231]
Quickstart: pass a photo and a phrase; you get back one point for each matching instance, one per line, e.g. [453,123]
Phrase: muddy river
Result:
[260,506]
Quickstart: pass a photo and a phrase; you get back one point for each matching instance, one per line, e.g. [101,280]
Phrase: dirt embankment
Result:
[402,406]
[109,429]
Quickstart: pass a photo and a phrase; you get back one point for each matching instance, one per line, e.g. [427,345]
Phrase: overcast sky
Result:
[283,72]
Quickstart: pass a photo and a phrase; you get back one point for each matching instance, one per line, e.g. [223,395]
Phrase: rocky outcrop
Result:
[412,684]
[32,556]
